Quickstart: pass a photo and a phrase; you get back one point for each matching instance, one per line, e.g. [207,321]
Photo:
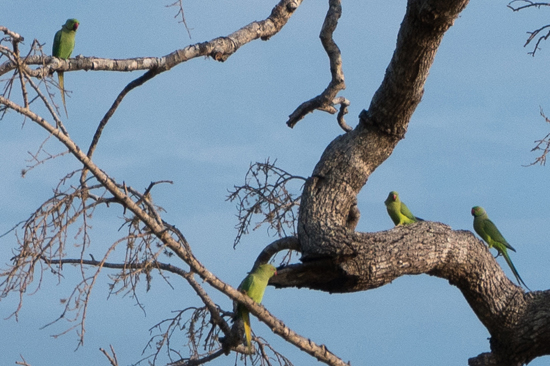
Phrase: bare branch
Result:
[326,99]
[112,359]
[14,36]
[536,32]
[23,362]
[344,104]
[199,361]
[288,243]
[529,4]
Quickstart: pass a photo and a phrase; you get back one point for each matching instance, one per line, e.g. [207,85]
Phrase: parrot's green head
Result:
[477,211]
[71,24]
[392,197]
[267,269]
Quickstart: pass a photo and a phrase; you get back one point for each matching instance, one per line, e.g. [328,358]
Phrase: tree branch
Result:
[536,32]
[220,49]
[327,98]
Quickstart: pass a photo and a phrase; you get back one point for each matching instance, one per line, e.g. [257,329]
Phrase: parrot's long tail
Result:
[514,270]
[247,330]
[62,87]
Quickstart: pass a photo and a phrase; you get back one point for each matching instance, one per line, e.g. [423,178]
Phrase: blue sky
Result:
[202,124]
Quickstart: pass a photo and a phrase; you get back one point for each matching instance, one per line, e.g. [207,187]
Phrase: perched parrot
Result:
[254,286]
[63,45]
[398,211]
[489,232]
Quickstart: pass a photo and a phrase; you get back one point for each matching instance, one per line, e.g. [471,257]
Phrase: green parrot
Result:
[63,45]
[489,232]
[398,211]
[254,286]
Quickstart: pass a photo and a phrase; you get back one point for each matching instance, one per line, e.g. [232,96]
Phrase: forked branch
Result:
[327,99]
[537,32]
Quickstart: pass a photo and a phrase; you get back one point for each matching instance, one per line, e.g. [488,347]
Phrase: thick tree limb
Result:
[518,322]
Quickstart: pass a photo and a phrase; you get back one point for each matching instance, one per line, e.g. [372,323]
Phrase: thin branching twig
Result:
[537,32]
[266,193]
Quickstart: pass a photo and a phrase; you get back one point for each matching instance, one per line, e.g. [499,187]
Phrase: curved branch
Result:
[327,98]
[529,4]
[344,104]
[288,243]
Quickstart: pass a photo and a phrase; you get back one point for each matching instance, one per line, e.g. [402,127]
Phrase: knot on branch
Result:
[223,48]
[394,131]
[291,6]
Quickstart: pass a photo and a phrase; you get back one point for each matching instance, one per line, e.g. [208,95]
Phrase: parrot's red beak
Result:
[275,273]
[76,26]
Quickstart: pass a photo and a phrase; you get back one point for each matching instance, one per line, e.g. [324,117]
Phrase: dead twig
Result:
[180,12]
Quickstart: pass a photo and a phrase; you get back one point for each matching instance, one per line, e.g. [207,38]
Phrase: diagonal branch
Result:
[278,327]
[326,100]
[95,140]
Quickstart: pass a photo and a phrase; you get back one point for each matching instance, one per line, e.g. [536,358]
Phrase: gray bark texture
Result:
[336,258]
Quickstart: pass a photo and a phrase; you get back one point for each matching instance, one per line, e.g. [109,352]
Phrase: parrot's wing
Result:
[405,211]
[56,44]
[246,283]
[257,289]
[492,231]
